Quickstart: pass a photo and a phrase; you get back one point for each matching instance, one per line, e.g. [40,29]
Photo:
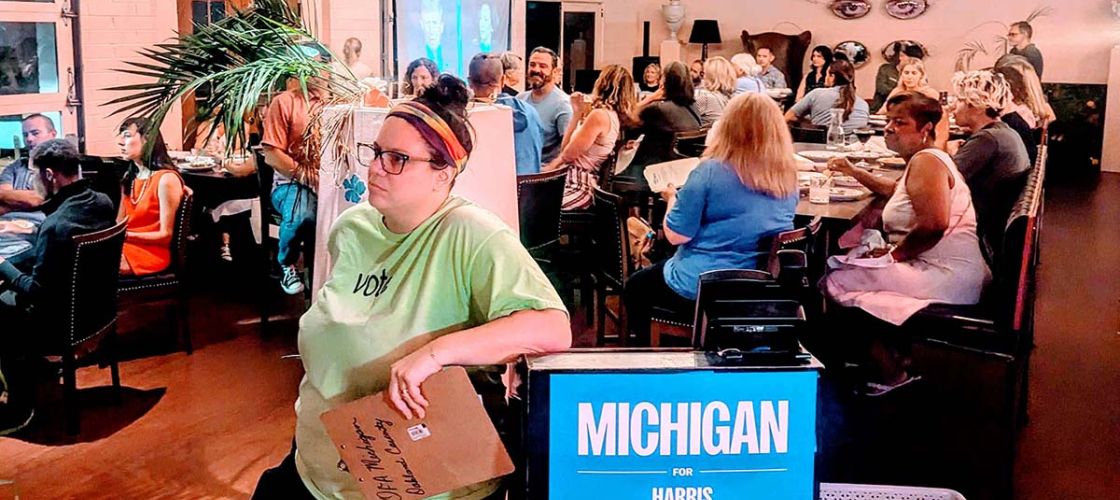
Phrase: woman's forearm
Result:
[916,242]
[504,339]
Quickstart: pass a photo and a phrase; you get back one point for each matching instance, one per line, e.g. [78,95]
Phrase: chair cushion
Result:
[968,326]
[148,283]
[671,317]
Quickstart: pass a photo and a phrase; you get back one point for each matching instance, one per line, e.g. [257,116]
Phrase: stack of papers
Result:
[661,175]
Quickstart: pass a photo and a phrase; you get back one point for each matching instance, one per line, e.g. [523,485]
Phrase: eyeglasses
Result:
[392,162]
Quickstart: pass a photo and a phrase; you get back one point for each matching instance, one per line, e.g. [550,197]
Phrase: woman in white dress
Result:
[929,224]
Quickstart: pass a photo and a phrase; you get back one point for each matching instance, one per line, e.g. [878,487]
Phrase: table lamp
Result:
[705,31]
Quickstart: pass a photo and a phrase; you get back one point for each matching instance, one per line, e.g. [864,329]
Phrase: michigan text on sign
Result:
[617,428]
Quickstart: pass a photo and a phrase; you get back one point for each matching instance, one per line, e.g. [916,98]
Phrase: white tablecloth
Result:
[489,180]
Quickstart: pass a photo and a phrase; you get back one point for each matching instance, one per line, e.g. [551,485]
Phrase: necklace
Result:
[143,187]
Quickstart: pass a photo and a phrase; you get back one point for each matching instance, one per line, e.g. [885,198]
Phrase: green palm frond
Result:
[240,58]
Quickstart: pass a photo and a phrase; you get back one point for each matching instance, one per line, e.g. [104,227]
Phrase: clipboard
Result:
[453,446]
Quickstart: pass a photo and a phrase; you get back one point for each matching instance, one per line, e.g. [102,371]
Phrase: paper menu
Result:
[660,175]
[455,445]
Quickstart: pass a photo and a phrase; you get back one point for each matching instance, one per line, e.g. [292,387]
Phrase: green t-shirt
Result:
[388,295]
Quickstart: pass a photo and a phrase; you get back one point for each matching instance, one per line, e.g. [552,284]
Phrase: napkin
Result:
[868,241]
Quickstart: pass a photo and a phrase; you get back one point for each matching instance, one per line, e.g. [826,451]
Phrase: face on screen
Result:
[431,21]
[485,27]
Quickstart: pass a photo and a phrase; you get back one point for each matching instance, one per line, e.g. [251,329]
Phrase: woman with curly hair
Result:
[420,74]
[593,133]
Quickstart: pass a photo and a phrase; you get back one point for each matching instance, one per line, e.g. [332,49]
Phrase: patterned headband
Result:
[434,130]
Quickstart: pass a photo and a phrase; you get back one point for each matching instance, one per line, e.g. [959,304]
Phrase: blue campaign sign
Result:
[696,435]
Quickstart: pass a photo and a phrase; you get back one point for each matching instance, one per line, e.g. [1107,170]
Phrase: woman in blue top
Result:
[743,193]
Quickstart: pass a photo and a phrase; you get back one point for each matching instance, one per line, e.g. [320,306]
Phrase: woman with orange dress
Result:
[150,196]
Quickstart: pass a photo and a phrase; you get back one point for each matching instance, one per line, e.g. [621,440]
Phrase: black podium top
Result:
[610,360]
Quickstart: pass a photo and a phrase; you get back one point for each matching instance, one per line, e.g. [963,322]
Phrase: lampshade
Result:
[705,31]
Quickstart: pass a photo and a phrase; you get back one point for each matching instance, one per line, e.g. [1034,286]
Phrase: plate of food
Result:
[892,162]
[196,163]
[845,181]
[865,156]
[16,226]
[846,194]
[822,156]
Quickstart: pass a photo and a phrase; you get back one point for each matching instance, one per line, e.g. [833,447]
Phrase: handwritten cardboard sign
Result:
[453,446]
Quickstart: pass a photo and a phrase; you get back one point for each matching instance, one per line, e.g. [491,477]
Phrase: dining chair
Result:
[812,135]
[689,144]
[539,197]
[168,285]
[610,262]
[89,316]
[787,264]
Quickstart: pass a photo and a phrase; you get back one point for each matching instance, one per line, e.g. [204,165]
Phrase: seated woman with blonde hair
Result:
[911,78]
[740,195]
[151,192]
[716,89]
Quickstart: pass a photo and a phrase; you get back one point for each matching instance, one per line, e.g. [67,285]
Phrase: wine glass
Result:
[864,135]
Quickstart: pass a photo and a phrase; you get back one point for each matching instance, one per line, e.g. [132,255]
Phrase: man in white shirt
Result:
[351,55]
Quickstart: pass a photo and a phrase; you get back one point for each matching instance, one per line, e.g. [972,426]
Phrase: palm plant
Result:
[1003,45]
[241,58]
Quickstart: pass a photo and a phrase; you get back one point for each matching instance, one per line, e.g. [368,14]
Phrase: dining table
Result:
[17,233]
[635,189]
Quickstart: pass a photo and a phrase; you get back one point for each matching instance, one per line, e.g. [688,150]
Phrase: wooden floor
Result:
[207,425]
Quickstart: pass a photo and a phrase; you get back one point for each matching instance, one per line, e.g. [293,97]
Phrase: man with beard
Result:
[551,103]
[30,302]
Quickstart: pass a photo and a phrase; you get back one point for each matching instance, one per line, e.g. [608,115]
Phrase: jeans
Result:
[644,290]
[297,205]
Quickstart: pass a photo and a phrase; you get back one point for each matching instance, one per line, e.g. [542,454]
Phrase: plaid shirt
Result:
[773,78]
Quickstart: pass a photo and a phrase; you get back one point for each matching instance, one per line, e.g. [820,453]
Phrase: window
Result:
[28,58]
[204,12]
[36,68]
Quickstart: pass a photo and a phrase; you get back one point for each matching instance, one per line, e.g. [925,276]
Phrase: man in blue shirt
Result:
[17,193]
[486,77]
[551,103]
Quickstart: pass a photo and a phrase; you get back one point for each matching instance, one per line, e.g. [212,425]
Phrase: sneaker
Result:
[13,420]
[226,255]
[291,281]
[875,390]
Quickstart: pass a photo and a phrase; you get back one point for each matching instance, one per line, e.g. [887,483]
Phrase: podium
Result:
[676,425]
[489,179]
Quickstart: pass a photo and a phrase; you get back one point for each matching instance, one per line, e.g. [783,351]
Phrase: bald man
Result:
[17,193]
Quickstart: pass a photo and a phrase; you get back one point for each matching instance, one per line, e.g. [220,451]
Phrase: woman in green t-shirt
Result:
[422,279]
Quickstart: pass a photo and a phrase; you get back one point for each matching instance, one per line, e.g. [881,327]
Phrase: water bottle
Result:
[835,134]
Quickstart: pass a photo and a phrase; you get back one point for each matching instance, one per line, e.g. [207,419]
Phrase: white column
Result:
[1110,161]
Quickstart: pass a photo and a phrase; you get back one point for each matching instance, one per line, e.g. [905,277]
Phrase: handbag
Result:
[640,238]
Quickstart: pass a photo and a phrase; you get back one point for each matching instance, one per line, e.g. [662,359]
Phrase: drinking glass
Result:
[819,189]
[864,135]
